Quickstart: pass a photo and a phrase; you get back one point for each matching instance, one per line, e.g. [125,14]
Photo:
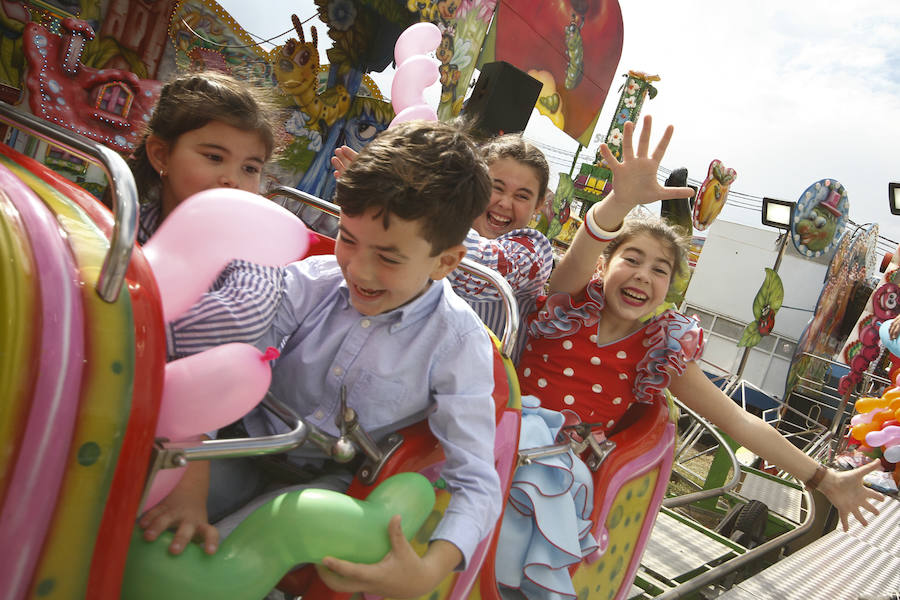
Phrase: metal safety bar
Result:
[168,455]
[121,185]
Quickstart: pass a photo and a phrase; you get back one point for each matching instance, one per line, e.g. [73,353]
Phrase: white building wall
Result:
[729,272]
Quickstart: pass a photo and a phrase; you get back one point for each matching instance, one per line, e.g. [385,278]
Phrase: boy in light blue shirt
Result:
[380,319]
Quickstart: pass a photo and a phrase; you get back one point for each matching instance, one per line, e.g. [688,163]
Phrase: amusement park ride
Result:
[84,380]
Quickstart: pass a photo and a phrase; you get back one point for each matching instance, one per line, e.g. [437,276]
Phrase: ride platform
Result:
[837,566]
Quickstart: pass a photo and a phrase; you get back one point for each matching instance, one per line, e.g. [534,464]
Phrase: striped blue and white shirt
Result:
[524,258]
[238,307]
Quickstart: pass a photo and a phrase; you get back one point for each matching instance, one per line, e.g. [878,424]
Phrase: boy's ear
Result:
[157,151]
[448,260]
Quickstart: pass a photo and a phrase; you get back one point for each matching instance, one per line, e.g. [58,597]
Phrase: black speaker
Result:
[502,99]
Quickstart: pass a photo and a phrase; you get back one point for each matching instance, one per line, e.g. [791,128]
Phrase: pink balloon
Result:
[420,38]
[206,231]
[888,436]
[410,80]
[892,454]
[859,419]
[212,389]
[414,113]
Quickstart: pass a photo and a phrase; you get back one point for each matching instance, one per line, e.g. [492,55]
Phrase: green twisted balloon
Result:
[294,528]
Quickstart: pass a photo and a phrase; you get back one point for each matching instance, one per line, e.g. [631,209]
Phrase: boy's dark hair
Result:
[190,102]
[428,171]
[514,146]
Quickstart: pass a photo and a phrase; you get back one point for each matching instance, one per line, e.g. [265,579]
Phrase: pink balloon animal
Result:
[415,72]
[214,388]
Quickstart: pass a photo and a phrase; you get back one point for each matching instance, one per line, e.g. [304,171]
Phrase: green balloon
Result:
[294,528]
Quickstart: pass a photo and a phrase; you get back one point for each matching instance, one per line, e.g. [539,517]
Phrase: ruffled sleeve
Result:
[560,315]
[672,341]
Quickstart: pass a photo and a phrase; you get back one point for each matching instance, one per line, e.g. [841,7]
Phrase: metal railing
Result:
[169,455]
[121,185]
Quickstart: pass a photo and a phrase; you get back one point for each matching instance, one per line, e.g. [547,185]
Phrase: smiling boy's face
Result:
[387,268]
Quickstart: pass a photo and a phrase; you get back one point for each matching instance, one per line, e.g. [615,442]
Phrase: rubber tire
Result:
[750,525]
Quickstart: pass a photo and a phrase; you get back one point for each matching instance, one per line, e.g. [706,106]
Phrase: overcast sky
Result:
[785,93]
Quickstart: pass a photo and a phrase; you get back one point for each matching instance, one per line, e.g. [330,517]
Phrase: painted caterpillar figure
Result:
[574,52]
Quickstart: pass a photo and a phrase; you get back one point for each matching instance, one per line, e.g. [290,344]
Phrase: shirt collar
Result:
[411,312]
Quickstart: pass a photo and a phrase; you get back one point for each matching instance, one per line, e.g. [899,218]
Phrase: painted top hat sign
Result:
[820,217]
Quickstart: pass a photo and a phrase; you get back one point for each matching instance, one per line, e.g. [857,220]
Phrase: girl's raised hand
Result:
[342,158]
[634,177]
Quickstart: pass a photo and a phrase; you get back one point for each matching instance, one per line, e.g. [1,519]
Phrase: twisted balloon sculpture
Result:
[415,72]
[293,528]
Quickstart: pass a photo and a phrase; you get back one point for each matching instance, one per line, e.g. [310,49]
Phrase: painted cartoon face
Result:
[297,68]
[816,231]
[215,155]
[448,8]
[385,268]
[444,50]
[886,301]
[513,199]
[361,129]
[636,277]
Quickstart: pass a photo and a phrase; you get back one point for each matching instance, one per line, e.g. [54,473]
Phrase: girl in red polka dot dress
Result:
[592,351]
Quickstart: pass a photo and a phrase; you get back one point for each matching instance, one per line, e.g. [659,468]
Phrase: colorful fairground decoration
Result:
[593,179]
[825,335]
[96,67]
[819,217]
[766,303]
[712,194]
[863,345]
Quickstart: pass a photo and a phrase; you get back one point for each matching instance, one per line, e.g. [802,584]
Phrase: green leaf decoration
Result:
[750,337]
[565,189]
[553,229]
[770,293]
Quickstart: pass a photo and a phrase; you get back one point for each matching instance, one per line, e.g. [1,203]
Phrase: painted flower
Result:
[296,126]
[296,123]
[630,102]
[632,87]
[341,14]
[315,140]
[614,138]
[484,8]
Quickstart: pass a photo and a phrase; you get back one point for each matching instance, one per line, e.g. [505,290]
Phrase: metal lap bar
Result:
[121,185]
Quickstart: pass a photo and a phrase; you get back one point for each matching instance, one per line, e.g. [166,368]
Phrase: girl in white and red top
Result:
[591,350]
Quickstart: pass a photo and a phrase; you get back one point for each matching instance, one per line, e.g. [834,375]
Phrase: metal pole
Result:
[575,160]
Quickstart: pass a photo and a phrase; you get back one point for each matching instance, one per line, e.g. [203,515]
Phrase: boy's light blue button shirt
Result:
[429,358]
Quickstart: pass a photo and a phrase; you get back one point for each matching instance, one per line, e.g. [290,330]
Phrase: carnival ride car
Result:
[83,368]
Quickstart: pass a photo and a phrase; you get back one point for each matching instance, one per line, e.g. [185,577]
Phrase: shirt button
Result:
[318,414]
[365,323]
[338,371]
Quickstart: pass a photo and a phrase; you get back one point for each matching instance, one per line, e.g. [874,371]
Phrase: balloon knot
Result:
[271,354]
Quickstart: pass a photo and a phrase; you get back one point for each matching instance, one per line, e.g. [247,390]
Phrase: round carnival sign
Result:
[819,217]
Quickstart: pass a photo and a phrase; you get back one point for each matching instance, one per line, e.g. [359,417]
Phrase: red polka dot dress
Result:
[565,368]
